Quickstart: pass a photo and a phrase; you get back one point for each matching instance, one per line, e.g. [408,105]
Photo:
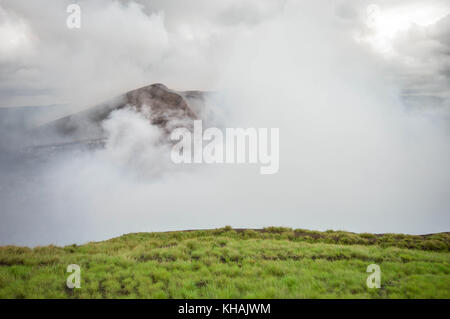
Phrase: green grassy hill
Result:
[273,262]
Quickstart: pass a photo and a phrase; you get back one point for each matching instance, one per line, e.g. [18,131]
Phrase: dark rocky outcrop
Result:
[164,107]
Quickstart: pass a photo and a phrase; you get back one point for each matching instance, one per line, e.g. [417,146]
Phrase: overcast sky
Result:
[123,45]
[360,91]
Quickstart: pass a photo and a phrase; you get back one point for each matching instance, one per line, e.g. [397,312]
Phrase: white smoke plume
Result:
[353,155]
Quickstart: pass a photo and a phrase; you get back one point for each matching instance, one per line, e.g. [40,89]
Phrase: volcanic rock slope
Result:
[165,108]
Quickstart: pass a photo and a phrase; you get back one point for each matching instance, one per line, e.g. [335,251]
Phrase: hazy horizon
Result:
[360,92]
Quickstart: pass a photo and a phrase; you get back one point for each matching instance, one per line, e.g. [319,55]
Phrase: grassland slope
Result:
[273,262]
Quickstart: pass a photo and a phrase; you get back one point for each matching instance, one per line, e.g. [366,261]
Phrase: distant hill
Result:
[16,121]
[168,109]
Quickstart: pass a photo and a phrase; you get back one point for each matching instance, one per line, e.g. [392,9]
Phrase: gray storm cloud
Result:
[354,153]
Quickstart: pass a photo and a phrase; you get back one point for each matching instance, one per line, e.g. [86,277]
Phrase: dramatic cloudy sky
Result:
[122,45]
[360,91]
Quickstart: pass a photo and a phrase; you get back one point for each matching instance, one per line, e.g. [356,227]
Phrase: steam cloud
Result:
[353,154]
